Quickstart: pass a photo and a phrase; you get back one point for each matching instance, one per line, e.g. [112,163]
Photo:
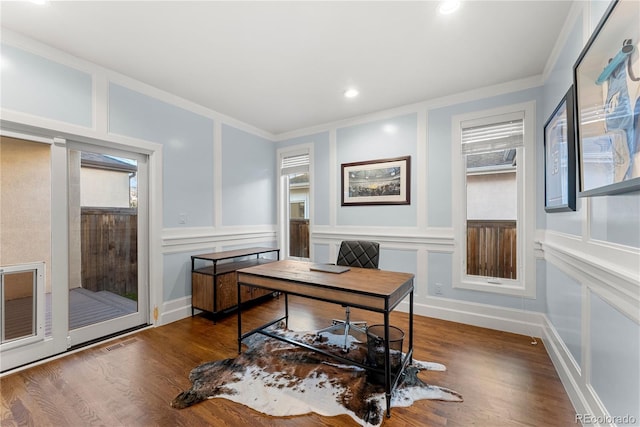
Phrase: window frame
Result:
[283,210]
[525,283]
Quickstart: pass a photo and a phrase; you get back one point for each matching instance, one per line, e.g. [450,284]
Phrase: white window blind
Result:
[298,163]
[492,137]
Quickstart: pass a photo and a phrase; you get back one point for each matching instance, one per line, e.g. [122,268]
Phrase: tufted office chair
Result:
[354,253]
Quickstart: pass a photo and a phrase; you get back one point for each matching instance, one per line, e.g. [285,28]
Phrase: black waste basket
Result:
[375,349]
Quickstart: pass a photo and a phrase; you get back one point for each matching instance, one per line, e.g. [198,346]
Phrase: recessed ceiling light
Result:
[351,93]
[449,6]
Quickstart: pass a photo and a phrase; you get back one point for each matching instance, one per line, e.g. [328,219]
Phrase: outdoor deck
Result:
[85,308]
[88,307]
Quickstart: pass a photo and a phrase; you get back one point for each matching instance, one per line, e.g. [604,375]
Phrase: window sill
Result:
[506,287]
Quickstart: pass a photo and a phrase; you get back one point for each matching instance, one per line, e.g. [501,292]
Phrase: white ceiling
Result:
[282,66]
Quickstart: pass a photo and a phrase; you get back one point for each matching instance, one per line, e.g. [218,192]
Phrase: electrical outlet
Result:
[438,288]
[182,218]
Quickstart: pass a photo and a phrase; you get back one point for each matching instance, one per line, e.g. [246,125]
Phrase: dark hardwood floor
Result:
[504,379]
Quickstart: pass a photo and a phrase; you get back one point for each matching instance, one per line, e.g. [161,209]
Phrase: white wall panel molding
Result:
[440,240]
[611,271]
[19,122]
[421,281]
[333,184]
[39,126]
[29,137]
[175,240]
[420,192]
[217,174]
[568,371]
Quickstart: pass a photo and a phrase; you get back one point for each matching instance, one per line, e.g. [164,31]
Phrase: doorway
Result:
[71,272]
[108,285]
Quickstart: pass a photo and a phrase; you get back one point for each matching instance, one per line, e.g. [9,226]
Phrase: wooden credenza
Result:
[213,278]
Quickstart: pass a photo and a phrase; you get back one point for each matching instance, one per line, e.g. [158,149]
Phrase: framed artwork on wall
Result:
[377,182]
[606,79]
[560,158]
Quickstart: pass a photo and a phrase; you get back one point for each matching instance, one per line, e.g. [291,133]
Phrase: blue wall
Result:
[390,138]
[187,140]
[248,178]
[44,88]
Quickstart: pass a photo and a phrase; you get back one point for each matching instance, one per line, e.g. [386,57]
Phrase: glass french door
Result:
[66,209]
[108,290]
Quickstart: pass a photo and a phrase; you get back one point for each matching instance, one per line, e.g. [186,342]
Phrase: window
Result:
[494,200]
[296,196]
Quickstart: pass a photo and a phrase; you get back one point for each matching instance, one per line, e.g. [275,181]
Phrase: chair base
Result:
[347,326]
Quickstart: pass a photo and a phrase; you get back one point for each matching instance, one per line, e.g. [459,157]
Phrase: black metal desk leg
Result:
[411,325]
[387,364]
[239,322]
[286,310]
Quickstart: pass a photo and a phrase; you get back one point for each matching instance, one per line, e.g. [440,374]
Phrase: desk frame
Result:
[261,277]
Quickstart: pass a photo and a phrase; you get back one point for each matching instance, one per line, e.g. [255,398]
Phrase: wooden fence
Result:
[299,238]
[491,249]
[109,239]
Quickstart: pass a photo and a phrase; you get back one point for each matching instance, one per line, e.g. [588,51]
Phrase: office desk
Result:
[368,289]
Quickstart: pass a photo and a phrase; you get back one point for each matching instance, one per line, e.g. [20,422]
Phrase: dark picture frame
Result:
[560,157]
[606,78]
[377,182]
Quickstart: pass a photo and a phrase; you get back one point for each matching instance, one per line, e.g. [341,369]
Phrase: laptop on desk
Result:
[329,268]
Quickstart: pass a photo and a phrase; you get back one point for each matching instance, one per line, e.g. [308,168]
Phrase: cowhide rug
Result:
[280,379]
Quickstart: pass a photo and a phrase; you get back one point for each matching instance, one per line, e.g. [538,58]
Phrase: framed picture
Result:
[377,182]
[560,158]
[607,94]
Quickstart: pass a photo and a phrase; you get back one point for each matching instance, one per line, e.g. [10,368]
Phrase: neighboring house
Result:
[105,181]
[299,196]
[491,186]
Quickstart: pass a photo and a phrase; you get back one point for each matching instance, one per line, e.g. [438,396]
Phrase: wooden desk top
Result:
[367,288]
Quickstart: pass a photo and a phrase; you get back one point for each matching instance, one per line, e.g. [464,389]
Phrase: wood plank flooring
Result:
[504,379]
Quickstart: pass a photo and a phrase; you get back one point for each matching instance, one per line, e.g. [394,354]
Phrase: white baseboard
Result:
[173,310]
[486,316]
[521,322]
[529,323]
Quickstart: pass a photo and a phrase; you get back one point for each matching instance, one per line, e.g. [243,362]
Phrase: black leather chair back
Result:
[359,253]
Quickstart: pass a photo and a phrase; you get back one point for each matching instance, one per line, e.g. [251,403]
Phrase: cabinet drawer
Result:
[227,291]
